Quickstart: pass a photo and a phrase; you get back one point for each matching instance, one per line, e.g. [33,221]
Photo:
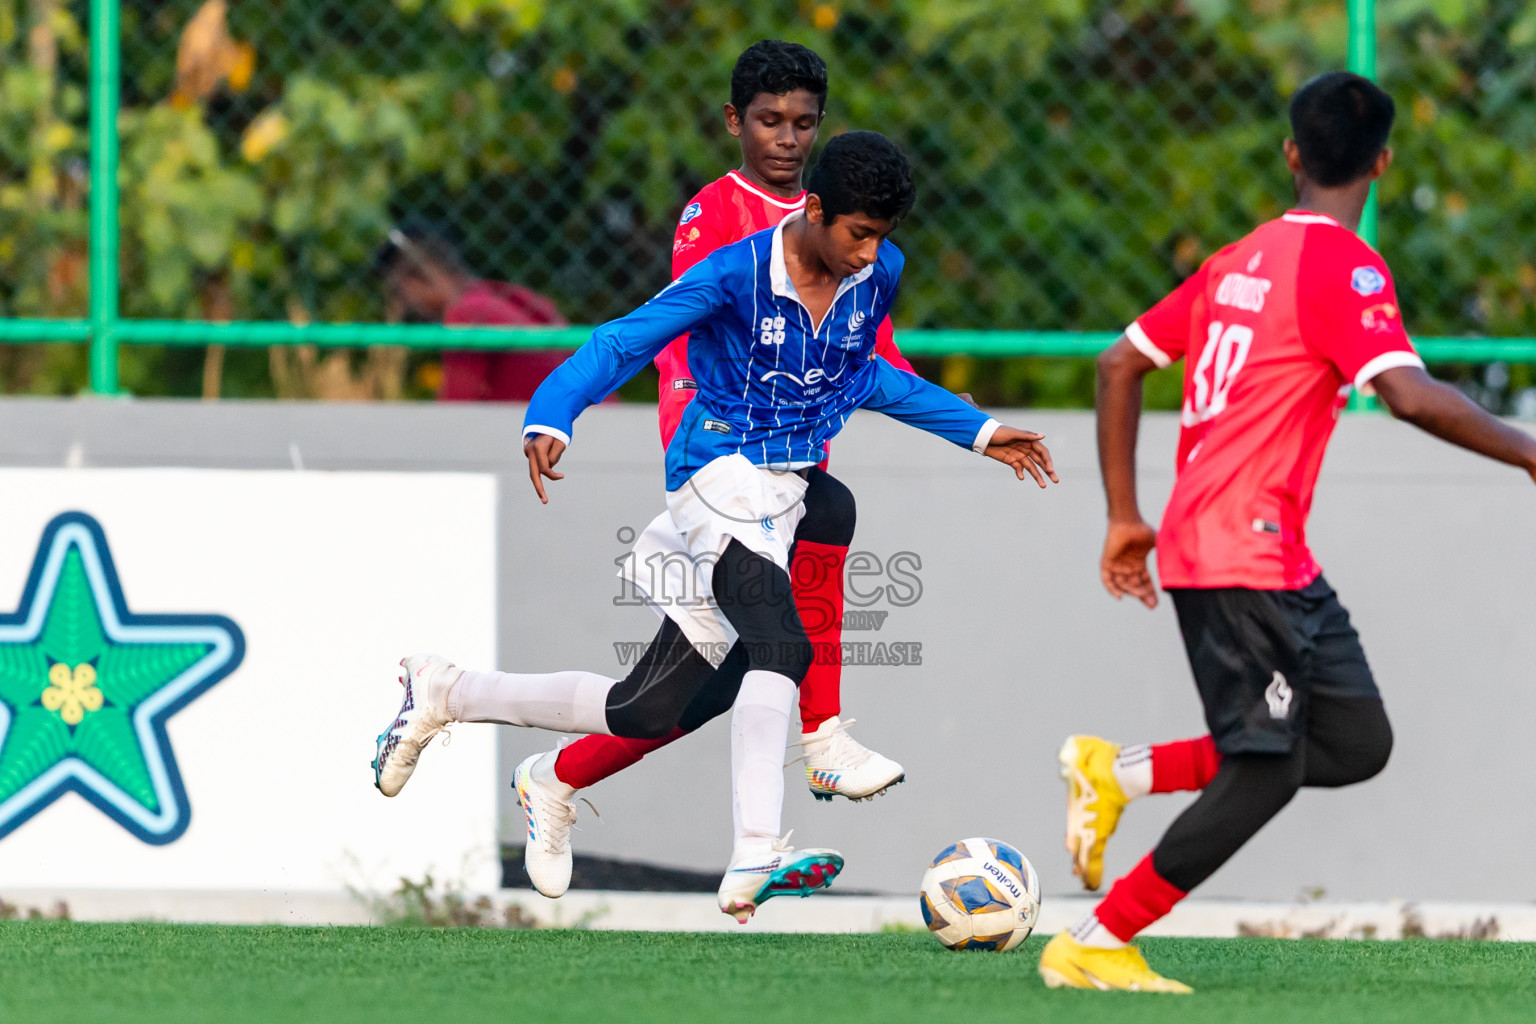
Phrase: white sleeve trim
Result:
[1138,337]
[984,436]
[1386,361]
[536,428]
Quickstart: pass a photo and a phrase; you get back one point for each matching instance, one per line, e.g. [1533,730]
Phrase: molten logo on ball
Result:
[980,894]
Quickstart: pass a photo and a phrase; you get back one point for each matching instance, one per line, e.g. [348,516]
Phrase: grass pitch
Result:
[55,972]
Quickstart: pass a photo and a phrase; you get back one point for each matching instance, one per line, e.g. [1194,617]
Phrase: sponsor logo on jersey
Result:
[1379,317]
[1243,292]
[1253,264]
[1367,280]
[1278,696]
[684,384]
[771,330]
[693,210]
[814,375]
[1265,526]
[717,427]
[680,244]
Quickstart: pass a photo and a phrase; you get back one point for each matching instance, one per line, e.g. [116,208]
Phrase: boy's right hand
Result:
[543,452]
[1123,567]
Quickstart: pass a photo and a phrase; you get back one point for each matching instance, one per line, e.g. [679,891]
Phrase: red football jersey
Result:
[1274,330]
[727,210]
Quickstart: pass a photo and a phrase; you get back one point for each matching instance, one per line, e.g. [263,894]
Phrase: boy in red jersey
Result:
[1274,330]
[778,98]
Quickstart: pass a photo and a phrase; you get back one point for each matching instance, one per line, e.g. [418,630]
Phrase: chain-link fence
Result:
[1075,158]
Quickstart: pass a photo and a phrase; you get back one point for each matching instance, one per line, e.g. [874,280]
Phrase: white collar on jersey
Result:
[1303,217]
[779,201]
[778,273]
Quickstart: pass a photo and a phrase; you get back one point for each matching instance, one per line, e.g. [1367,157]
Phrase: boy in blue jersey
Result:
[783,326]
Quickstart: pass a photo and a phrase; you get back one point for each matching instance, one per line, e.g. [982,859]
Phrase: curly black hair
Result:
[863,172]
[1340,122]
[777,68]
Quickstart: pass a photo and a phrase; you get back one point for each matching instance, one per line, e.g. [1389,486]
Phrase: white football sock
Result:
[543,772]
[1091,932]
[1133,770]
[558,701]
[759,735]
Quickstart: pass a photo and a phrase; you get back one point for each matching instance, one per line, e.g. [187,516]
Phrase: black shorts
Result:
[1258,655]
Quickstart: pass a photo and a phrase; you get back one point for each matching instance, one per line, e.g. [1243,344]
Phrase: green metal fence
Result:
[1075,159]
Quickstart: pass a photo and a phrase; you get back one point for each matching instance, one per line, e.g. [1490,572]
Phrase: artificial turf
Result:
[59,971]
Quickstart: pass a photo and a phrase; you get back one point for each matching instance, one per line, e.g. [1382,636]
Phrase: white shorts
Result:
[674,558]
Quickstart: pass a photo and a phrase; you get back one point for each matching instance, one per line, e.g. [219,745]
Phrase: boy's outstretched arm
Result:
[617,351]
[1439,409]
[1117,403]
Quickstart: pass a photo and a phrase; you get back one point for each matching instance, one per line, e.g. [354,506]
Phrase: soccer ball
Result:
[980,894]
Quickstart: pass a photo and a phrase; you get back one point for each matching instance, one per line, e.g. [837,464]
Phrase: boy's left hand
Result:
[1022,450]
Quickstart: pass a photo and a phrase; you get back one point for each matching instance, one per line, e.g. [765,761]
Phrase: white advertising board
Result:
[194,665]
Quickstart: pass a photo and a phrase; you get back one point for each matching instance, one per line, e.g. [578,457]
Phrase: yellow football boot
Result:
[1067,963]
[1094,803]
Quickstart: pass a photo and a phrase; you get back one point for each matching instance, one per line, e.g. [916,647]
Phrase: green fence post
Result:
[1362,61]
[105,77]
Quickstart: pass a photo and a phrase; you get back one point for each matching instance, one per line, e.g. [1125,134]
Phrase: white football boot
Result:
[550,819]
[836,764]
[775,869]
[422,715]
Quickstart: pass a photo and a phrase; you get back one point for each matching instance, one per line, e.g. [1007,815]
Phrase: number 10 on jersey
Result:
[1225,352]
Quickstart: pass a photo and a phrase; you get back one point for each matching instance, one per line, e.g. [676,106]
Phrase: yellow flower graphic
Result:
[72,692]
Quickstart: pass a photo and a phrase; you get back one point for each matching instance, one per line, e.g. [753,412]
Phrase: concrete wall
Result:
[1430,548]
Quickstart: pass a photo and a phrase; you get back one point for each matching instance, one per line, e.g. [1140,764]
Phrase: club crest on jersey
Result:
[856,321]
[1367,280]
[693,210]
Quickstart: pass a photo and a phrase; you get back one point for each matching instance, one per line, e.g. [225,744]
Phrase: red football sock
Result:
[1137,900]
[1184,765]
[817,573]
[594,758]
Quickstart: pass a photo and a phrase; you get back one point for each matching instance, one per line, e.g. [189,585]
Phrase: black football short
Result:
[1258,655]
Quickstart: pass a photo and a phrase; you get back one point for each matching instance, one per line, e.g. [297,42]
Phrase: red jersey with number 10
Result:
[1274,330]
[727,210]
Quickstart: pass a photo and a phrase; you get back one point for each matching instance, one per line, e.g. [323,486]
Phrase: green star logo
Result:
[86,688]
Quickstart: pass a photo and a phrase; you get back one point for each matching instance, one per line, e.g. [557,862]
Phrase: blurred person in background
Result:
[427,281]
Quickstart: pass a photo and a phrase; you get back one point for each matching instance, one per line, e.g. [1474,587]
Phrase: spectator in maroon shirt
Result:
[426,281]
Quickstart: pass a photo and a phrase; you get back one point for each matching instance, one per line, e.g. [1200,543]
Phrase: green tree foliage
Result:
[1076,158]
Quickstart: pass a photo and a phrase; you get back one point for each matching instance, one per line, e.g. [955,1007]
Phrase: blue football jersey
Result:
[774,386]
